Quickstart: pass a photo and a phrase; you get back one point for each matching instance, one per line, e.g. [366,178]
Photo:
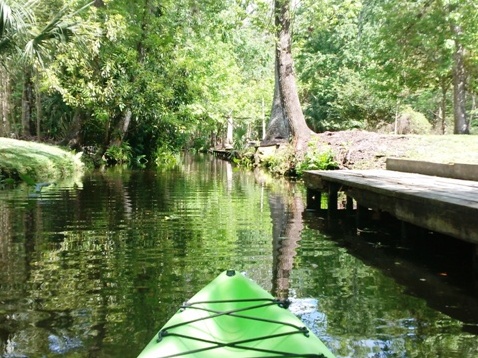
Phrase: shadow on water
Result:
[430,266]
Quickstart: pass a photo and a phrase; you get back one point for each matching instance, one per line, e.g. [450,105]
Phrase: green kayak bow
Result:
[234,317]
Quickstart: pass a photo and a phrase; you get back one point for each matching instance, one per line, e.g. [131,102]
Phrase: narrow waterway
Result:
[95,268]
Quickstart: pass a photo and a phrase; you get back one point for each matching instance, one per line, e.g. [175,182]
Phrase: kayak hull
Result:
[234,317]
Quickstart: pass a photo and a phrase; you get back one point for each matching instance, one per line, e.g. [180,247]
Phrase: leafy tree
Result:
[163,77]
[423,45]
[336,91]
[27,33]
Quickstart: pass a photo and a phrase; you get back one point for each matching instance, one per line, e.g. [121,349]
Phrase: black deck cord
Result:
[234,314]
[284,304]
[281,303]
[237,344]
[270,302]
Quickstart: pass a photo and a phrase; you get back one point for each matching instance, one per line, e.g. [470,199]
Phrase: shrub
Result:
[165,158]
[281,162]
[118,154]
[316,159]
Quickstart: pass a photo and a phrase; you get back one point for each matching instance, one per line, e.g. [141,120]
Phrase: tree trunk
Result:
[287,85]
[459,90]
[278,129]
[27,103]
[118,130]
[472,116]
[443,107]
[4,103]
[39,113]
[72,138]
[229,141]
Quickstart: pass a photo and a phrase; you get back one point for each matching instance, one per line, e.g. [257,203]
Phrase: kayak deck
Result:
[234,317]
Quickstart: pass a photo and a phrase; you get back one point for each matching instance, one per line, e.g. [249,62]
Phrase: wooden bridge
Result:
[445,205]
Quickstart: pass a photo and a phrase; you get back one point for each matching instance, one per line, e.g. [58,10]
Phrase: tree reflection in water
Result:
[96,269]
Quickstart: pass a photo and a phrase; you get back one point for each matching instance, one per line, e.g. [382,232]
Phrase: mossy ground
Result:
[36,162]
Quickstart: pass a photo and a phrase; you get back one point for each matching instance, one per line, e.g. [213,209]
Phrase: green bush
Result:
[280,163]
[316,159]
[165,158]
[413,122]
[118,154]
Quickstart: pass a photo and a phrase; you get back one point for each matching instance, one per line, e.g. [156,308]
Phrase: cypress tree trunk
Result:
[278,129]
[287,85]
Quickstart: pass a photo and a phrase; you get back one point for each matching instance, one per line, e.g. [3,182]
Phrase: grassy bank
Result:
[35,162]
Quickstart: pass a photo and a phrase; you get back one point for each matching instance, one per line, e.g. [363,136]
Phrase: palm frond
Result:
[61,28]
[5,18]
[16,18]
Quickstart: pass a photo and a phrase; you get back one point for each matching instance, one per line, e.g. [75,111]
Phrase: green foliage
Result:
[246,158]
[6,181]
[357,61]
[31,27]
[180,68]
[316,158]
[119,154]
[165,158]
[140,161]
[281,162]
[335,94]
[285,161]
[27,178]
[417,122]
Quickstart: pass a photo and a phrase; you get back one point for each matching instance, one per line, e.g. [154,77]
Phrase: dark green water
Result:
[95,269]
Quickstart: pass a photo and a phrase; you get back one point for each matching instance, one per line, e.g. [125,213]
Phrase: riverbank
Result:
[353,149]
[36,162]
[357,149]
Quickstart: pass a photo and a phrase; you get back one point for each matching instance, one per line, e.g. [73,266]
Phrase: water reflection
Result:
[373,314]
[93,270]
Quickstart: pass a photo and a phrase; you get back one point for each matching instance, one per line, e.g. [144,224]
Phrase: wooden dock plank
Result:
[444,205]
[454,191]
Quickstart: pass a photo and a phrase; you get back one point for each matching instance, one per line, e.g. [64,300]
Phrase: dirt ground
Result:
[357,149]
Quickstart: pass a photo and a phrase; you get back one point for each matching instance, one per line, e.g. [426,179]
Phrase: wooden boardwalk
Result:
[444,205]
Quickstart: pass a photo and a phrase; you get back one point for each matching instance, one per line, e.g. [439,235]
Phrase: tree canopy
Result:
[135,79]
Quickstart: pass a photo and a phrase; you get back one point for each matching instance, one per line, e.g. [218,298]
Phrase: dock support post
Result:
[350,204]
[475,266]
[404,232]
[360,216]
[314,199]
[333,197]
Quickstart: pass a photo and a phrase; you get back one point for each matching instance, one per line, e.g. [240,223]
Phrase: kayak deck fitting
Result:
[234,317]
